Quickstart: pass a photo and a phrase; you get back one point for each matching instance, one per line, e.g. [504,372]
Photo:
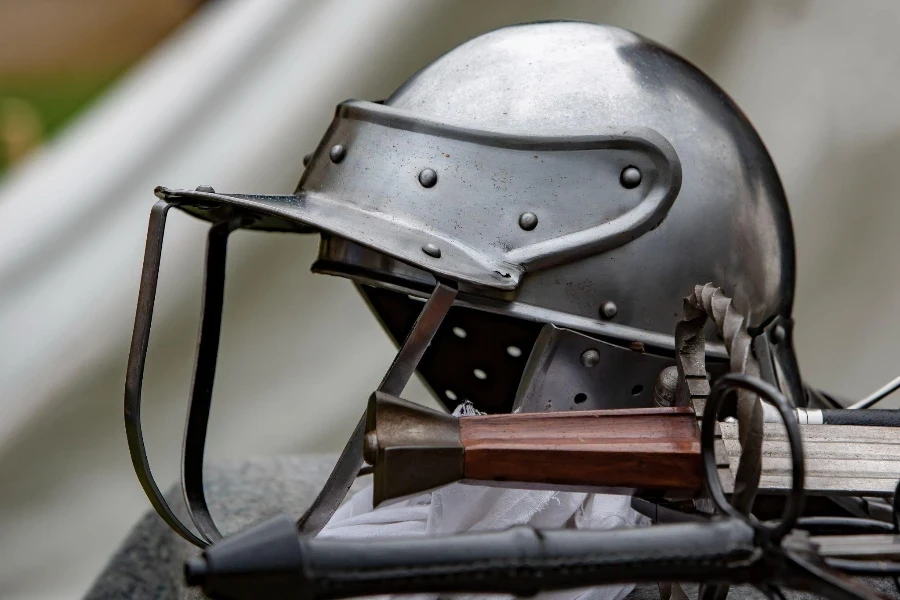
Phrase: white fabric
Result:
[459,508]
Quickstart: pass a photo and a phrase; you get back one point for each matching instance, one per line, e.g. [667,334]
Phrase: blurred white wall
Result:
[234,99]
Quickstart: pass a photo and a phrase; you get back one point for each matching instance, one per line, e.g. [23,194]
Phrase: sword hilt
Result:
[271,561]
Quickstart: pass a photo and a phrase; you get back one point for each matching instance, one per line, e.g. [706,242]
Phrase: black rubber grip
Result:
[867,416]
[522,561]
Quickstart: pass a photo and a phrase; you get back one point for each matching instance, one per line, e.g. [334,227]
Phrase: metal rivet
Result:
[528,221]
[337,153]
[514,351]
[630,177]
[479,374]
[664,391]
[590,358]
[306,159]
[778,334]
[609,310]
[431,250]
[206,188]
[427,177]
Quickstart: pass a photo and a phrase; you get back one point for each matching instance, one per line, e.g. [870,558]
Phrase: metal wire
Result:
[878,395]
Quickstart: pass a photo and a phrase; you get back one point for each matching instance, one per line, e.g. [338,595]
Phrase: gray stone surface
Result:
[148,564]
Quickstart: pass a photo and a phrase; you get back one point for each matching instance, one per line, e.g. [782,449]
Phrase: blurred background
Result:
[101,100]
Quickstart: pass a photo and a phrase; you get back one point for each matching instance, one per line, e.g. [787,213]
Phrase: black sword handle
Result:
[878,417]
[271,561]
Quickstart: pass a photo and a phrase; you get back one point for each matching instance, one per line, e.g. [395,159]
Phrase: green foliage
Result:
[47,103]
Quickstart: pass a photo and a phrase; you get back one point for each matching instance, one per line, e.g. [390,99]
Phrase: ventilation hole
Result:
[580,398]
[450,394]
[636,390]
[514,351]
[460,333]
[479,374]
[416,298]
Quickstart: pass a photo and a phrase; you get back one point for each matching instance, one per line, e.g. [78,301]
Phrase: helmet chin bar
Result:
[351,459]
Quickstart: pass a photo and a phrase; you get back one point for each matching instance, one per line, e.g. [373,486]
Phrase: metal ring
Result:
[793,507]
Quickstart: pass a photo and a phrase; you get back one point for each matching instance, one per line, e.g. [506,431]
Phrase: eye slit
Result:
[514,351]
[460,333]
[580,398]
[479,374]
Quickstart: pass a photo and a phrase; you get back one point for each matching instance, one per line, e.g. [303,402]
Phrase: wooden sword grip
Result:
[652,448]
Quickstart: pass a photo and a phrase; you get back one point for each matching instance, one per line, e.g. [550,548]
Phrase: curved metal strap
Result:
[204,375]
[134,376]
[338,484]
[351,460]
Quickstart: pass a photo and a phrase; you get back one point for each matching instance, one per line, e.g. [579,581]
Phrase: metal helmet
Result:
[562,185]
[565,173]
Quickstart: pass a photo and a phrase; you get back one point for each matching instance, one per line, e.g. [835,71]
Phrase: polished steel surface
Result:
[568,370]
[730,223]
[486,177]
[644,177]
[471,211]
